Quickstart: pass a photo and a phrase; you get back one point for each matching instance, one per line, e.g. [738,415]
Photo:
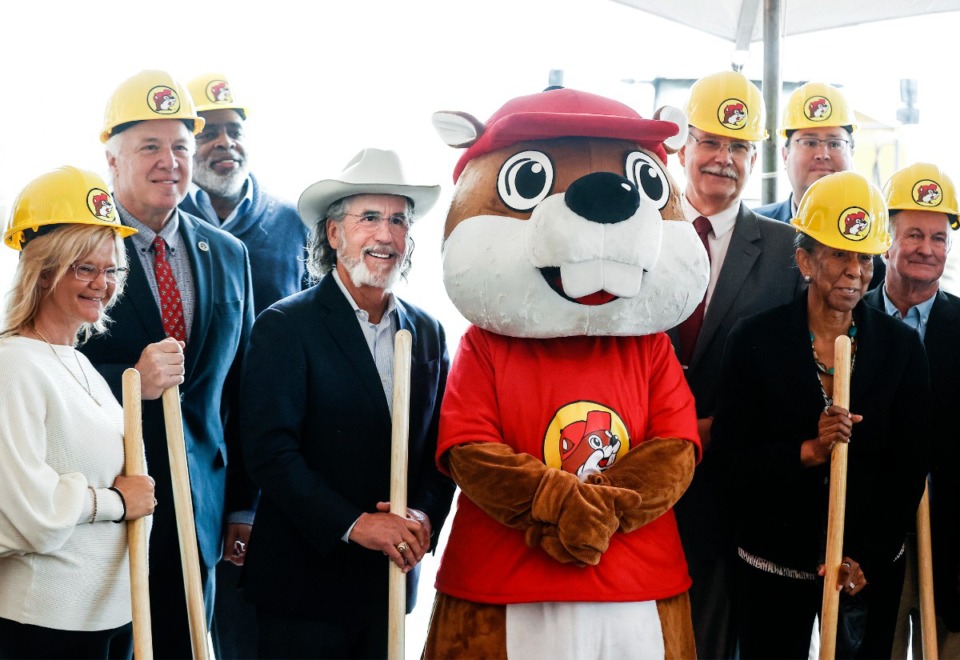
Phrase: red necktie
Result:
[171,307]
[689,330]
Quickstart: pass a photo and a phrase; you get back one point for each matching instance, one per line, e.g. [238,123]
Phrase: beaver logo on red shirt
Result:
[589,446]
[818,108]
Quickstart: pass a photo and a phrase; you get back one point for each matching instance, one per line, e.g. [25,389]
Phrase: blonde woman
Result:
[64,576]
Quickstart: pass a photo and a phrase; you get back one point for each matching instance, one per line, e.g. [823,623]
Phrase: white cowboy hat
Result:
[370,172]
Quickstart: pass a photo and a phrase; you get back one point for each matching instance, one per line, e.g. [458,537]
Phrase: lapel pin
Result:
[203,246]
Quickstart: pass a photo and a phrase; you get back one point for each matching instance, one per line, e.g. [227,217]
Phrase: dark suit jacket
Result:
[770,403]
[222,320]
[782,211]
[758,272]
[316,434]
[943,353]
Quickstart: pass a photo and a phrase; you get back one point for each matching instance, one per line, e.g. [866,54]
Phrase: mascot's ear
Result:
[669,113]
[457,129]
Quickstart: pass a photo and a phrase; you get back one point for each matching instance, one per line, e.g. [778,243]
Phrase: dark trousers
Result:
[21,640]
[286,637]
[776,613]
[168,604]
[234,619]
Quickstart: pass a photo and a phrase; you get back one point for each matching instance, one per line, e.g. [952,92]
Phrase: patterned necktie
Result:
[689,330]
[171,307]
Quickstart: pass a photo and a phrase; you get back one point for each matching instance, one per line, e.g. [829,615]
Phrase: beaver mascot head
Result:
[565,221]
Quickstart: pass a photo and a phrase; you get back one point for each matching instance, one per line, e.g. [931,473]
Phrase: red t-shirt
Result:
[562,400]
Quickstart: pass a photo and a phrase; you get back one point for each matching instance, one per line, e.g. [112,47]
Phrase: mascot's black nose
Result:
[603,197]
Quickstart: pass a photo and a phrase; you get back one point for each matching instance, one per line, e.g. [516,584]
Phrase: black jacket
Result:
[770,403]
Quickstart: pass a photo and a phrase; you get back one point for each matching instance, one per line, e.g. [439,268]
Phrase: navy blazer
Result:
[782,211]
[943,353]
[222,321]
[316,433]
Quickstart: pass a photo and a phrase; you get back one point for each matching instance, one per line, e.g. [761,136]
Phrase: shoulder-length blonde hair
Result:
[51,255]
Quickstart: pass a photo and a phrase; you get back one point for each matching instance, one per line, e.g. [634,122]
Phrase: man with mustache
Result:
[317,397]
[228,196]
[751,270]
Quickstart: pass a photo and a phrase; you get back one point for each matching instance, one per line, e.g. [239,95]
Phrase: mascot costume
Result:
[567,422]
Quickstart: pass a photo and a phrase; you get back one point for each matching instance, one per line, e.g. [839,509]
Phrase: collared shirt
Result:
[718,239]
[379,336]
[179,262]
[201,199]
[917,316]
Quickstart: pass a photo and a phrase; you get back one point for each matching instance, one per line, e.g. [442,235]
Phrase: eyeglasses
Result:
[833,144]
[398,222]
[89,273]
[712,146]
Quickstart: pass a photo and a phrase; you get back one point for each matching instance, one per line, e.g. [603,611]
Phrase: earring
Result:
[806,278]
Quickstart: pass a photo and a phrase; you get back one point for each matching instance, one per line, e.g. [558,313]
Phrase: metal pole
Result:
[772,31]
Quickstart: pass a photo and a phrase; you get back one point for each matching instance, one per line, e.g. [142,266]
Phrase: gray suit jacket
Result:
[758,273]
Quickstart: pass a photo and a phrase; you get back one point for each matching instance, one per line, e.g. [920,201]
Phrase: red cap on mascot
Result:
[567,113]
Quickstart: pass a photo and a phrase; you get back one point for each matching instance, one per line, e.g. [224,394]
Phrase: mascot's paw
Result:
[659,470]
[577,519]
[546,537]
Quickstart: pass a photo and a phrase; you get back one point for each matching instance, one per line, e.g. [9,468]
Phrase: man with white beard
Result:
[228,196]
[316,397]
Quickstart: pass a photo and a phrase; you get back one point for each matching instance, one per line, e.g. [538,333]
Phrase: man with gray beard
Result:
[228,196]
[751,269]
[316,397]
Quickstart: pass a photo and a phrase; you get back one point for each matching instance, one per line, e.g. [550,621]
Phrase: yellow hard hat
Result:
[844,211]
[65,196]
[922,187]
[816,105]
[212,91]
[149,95]
[728,104]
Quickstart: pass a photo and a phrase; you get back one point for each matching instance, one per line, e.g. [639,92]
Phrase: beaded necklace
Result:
[86,384]
[822,368]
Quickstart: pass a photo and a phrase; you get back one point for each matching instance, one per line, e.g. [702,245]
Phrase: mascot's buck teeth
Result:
[567,421]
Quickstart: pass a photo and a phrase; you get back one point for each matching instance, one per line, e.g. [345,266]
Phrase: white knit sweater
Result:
[58,570]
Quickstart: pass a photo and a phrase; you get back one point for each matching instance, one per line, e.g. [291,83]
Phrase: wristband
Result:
[123,503]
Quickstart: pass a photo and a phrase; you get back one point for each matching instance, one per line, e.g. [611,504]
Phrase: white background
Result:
[324,79]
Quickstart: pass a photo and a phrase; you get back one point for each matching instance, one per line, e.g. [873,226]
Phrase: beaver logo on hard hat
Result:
[101,205]
[218,91]
[733,113]
[927,193]
[163,100]
[817,108]
[854,223]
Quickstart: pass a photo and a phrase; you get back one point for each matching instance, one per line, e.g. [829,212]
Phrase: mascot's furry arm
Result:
[659,470]
[570,520]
